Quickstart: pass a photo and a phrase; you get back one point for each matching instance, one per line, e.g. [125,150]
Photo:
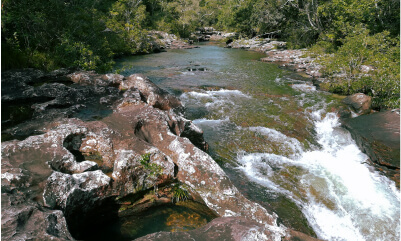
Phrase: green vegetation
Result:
[154,169]
[366,64]
[352,34]
[90,34]
[179,192]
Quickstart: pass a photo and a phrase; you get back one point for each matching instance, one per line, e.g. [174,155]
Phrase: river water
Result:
[279,140]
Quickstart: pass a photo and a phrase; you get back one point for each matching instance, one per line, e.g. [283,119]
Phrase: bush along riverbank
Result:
[367,64]
[93,157]
[369,88]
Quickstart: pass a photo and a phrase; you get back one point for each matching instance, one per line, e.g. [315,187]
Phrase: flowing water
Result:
[279,140]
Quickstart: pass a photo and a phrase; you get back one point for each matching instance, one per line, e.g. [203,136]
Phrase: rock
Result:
[162,40]
[378,135]
[16,81]
[32,101]
[359,103]
[153,95]
[61,187]
[83,198]
[195,135]
[91,78]
[367,68]
[145,174]
[20,220]
[257,44]
[63,72]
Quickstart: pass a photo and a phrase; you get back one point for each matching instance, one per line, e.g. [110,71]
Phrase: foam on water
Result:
[205,121]
[304,87]
[342,197]
[216,93]
[217,101]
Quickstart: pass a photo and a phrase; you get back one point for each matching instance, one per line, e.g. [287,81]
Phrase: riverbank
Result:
[297,60]
[86,152]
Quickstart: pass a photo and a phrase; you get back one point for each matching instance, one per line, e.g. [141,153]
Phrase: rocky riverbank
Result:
[82,152]
[162,41]
[295,59]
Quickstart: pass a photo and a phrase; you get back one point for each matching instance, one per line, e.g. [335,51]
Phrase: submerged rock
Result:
[227,228]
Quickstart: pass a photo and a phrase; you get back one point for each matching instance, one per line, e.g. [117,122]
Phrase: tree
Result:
[126,19]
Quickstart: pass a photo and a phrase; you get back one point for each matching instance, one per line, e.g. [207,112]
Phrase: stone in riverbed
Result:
[153,95]
[84,199]
[359,103]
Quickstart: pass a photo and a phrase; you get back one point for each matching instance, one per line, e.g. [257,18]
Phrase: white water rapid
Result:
[342,197]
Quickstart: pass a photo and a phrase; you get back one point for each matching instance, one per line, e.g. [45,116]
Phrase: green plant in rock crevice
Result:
[155,170]
[179,192]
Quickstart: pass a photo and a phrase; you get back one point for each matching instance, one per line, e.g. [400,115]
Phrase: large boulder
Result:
[22,216]
[25,220]
[195,168]
[378,135]
[82,197]
[154,95]
[359,103]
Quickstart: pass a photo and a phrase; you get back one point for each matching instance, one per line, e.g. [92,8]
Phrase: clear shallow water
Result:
[279,140]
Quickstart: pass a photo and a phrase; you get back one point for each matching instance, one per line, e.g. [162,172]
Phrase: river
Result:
[279,140]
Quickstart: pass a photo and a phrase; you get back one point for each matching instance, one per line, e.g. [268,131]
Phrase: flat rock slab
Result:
[378,135]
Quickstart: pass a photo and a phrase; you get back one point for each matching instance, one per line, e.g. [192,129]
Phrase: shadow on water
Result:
[168,218]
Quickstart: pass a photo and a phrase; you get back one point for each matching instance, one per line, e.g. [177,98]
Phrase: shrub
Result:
[380,52]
